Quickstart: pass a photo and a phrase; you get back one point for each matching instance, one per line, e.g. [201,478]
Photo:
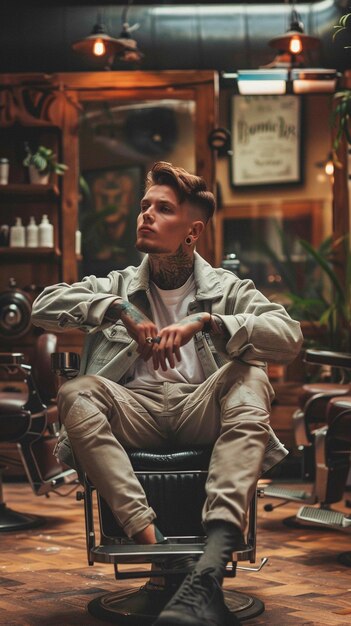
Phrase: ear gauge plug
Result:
[189,240]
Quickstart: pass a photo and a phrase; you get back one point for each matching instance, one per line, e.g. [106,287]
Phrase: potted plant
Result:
[341,115]
[321,294]
[41,164]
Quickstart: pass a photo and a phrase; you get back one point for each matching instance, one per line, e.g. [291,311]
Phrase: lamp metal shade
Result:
[85,46]
[282,42]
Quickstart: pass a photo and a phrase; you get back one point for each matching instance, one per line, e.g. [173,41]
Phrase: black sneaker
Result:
[199,601]
[177,566]
[182,564]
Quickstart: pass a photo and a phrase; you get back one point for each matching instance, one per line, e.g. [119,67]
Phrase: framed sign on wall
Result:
[266,140]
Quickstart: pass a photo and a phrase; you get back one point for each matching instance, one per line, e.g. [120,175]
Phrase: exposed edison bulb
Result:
[329,168]
[295,45]
[99,47]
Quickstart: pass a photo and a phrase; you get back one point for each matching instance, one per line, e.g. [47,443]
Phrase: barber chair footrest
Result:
[295,495]
[67,477]
[13,520]
[325,517]
[134,553]
[131,607]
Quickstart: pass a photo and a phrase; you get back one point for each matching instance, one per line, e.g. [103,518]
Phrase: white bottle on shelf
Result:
[32,234]
[17,234]
[46,233]
[78,243]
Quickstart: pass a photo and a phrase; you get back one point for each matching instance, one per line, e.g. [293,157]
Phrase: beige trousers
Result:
[230,409]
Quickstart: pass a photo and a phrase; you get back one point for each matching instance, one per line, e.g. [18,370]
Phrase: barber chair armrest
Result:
[303,436]
[11,358]
[65,364]
[313,415]
[17,376]
[14,367]
[327,357]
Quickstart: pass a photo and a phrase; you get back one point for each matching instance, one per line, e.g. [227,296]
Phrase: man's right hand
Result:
[138,326]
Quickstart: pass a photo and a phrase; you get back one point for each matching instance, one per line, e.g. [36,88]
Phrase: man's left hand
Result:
[172,337]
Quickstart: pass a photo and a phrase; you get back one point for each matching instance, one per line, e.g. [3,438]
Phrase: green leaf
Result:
[84,186]
[324,265]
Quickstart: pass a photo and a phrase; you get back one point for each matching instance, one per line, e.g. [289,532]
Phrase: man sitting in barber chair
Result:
[175,353]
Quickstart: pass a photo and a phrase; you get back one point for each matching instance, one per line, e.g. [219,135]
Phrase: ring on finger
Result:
[149,340]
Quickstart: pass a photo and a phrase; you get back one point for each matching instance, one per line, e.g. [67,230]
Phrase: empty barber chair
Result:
[28,417]
[330,468]
[174,482]
[333,456]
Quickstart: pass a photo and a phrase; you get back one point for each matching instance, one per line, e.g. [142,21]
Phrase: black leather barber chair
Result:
[330,467]
[29,418]
[333,454]
[174,482]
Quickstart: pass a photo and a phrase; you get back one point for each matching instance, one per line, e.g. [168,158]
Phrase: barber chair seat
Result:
[311,430]
[29,418]
[174,483]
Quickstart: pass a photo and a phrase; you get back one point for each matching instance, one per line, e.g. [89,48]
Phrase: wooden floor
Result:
[45,581]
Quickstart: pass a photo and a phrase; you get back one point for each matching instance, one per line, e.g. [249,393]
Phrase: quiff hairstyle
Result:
[187,186]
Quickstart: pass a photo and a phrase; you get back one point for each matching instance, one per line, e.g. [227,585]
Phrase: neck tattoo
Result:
[172,271]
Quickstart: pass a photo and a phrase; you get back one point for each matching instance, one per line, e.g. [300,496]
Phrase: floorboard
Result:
[45,579]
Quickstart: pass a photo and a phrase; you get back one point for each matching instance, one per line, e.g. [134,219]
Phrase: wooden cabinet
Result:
[28,117]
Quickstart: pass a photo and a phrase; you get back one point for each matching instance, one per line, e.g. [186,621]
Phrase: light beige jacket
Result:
[257,329]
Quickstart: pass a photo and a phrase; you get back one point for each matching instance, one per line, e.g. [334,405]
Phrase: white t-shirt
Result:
[169,306]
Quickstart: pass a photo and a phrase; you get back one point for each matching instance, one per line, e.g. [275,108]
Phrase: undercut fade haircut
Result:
[186,186]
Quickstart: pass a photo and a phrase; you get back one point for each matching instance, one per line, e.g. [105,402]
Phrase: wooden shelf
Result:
[30,252]
[27,190]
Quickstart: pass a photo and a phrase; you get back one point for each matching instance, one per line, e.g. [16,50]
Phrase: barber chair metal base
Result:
[11,520]
[142,606]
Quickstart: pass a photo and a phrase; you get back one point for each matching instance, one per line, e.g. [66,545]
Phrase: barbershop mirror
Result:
[119,140]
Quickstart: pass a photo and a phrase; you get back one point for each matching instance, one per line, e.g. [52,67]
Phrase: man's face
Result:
[163,223]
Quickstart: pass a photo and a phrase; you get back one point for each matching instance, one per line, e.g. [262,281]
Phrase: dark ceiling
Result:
[184,36]
[144,2]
